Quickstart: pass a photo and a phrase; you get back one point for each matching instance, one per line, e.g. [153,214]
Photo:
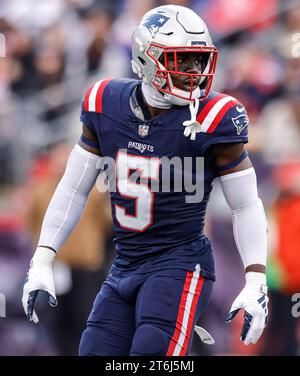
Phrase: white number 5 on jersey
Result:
[140,192]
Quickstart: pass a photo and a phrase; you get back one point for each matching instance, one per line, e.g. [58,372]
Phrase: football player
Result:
[162,277]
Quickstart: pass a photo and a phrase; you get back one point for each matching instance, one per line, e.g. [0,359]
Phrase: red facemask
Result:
[193,66]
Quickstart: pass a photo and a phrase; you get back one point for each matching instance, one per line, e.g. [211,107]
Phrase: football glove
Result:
[39,277]
[253,300]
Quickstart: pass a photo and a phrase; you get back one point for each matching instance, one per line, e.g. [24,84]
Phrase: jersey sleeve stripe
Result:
[86,99]
[220,115]
[99,96]
[92,97]
[208,106]
[214,111]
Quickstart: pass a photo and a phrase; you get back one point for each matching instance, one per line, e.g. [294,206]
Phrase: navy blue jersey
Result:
[148,221]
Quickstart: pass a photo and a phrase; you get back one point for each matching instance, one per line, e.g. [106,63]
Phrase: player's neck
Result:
[154,111]
[153,100]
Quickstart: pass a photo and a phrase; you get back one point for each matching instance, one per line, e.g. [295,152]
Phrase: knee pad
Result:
[86,343]
[149,340]
[96,341]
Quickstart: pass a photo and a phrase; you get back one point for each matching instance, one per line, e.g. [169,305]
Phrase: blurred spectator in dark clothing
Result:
[98,22]
[50,57]
[19,49]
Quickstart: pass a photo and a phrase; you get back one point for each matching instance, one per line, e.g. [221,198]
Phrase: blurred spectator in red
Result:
[284,263]
[225,16]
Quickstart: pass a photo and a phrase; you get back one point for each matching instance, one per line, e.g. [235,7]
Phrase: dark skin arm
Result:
[225,154]
[89,135]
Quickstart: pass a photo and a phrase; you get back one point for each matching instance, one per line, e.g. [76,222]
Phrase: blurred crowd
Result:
[54,50]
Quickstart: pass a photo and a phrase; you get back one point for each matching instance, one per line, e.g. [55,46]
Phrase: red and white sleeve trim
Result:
[93,100]
[213,112]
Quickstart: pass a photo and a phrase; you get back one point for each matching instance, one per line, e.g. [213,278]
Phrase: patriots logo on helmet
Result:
[155,22]
[240,122]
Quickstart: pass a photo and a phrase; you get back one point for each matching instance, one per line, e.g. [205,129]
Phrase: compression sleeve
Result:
[248,215]
[69,199]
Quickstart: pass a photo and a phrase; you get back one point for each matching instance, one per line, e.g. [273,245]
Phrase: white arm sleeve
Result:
[69,199]
[248,215]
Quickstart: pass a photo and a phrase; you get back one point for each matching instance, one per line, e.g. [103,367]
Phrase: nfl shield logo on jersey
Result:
[240,122]
[143,130]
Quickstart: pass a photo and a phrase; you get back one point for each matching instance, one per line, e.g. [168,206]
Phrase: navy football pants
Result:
[146,314]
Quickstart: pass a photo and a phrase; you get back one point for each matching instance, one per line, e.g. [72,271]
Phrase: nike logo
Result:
[239,109]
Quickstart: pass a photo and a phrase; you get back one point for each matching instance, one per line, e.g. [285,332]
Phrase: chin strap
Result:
[192,126]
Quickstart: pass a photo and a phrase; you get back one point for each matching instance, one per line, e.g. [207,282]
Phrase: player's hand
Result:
[253,300]
[39,277]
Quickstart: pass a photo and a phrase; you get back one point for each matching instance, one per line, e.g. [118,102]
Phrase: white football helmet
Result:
[164,33]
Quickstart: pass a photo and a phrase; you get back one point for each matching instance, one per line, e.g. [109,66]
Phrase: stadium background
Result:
[54,50]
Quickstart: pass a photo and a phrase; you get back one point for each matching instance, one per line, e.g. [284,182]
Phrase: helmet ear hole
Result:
[142,60]
[136,69]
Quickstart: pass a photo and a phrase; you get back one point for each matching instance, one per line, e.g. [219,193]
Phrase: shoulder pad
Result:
[215,109]
[107,96]
[93,99]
